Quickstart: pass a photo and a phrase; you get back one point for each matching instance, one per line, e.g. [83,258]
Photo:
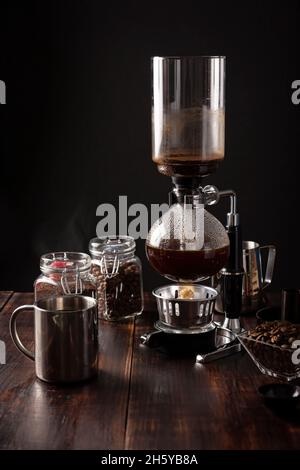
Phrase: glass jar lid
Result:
[120,245]
[65,261]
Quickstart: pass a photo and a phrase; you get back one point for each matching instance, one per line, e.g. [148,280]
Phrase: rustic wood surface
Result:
[142,398]
[4,296]
[36,415]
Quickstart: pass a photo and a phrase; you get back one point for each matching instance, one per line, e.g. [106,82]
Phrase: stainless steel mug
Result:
[66,338]
[254,279]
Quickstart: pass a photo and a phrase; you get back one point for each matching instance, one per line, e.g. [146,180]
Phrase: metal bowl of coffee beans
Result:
[274,347]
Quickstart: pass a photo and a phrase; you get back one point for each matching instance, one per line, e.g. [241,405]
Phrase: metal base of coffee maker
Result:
[159,325]
[214,344]
[232,324]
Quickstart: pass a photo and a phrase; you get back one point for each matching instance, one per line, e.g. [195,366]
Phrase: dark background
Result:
[75,131]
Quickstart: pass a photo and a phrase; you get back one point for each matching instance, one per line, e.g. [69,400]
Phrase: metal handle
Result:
[14,333]
[267,279]
[218,354]
[147,337]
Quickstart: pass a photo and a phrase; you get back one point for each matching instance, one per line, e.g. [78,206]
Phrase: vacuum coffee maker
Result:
[188,245]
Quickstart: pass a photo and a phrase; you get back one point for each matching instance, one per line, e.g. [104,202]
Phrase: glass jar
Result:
[64,273]
[119,277]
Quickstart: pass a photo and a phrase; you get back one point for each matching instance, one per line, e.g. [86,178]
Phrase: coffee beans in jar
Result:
[119,277]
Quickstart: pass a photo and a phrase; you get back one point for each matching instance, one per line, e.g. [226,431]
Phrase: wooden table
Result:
[142,399]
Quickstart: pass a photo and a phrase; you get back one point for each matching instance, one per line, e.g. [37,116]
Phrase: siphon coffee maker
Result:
[188,245]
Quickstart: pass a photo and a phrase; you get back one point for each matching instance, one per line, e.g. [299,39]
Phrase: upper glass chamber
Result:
[188,114]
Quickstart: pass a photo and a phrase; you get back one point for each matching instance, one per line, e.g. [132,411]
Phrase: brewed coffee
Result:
[187,265]
[187,165]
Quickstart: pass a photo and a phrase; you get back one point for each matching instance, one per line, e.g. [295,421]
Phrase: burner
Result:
[185,315]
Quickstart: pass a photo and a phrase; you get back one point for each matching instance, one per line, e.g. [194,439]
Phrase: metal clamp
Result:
[109,268]
[66,285]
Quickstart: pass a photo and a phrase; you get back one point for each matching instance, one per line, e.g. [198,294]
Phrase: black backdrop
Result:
[75,131]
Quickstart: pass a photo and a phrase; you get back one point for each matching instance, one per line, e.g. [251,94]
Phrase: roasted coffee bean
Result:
[265,336]
[276,332]
[121,295]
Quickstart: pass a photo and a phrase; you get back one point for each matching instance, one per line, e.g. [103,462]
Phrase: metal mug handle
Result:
[267,279]
[14,333]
